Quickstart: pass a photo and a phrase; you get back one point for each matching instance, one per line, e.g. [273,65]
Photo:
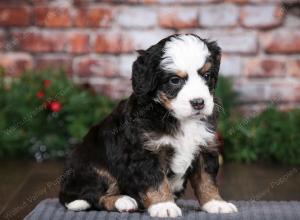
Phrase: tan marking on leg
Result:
[204,187]
[108,202]
[162,194]
[203,184]
[112,194]
[105,174]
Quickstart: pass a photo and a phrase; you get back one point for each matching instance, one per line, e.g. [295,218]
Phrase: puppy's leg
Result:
[94,188]
[112,200]
[203,181]
[140,174]
[119,202]
[160,202]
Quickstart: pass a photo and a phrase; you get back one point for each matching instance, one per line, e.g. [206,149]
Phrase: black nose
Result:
[197,104]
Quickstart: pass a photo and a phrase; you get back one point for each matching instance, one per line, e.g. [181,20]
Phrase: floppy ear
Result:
[215,51]
[144,75]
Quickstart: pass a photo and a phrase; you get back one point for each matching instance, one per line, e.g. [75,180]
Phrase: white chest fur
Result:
[186,143]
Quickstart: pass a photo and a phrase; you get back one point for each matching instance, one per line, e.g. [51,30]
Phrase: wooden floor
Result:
[25,183]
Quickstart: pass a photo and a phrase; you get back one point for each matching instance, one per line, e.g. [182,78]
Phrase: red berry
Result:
[40,94]
[47,83]
[55,106]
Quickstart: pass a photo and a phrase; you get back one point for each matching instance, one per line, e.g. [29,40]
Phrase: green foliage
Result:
[228,102]
[271,136]
[226,94]
[31,125]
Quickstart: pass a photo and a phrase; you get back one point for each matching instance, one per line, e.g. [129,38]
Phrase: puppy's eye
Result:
[175,80]
[206,76]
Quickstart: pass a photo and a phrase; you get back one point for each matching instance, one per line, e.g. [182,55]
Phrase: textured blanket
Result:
[51,209]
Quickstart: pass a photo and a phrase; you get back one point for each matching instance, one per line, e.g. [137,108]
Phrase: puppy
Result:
[145,151]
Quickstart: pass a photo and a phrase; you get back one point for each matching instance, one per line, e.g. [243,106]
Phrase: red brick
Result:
[249,111]
[176,1]
[292,20]
[15,3]
[287,107]
[114,88]
[268,91]
[78,43]
[15,63]
[54,62]
[52,17]
[231,65]
[284,91]
[283,42]
[262,16]
[267,67]
[39,2]
[144,17]
[237,1]
[255,1]
[96,66]
[93,17]
[233,42]
[126,62]
[251,90]
[40,41]
[2,40]
[14,16]
[293,67]
[220,15]
[11,44]
[143,39]
[297,93]
[112,43]
[178,18]
[82,3]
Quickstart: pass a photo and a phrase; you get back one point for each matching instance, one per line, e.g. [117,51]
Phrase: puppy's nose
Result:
[197,104]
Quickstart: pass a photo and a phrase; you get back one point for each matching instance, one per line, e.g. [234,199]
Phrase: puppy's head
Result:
[180,72]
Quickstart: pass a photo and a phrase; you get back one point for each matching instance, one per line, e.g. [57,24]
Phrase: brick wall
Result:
[95,40]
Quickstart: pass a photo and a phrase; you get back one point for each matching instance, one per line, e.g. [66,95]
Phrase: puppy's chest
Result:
[185,145]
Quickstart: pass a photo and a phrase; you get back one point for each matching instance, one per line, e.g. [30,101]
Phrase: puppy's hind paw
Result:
[216,206]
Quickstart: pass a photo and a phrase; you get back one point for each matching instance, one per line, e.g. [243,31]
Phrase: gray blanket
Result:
[51,209]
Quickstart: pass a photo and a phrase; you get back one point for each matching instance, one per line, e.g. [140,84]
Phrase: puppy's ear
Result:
[144,76]
[216,54]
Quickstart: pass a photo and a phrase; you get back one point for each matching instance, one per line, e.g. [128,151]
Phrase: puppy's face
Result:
[185,74]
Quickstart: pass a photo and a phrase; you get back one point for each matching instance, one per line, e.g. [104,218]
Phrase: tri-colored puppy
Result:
[145,151]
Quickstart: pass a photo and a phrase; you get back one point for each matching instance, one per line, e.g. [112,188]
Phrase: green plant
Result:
[42,113]
[271,136]
[227,97]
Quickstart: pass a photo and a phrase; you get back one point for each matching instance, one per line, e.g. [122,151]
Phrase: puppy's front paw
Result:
[216,206]
[126,204]
[164,209]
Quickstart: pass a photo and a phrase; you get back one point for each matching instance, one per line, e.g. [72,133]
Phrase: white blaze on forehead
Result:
[184,53]
[188,53]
